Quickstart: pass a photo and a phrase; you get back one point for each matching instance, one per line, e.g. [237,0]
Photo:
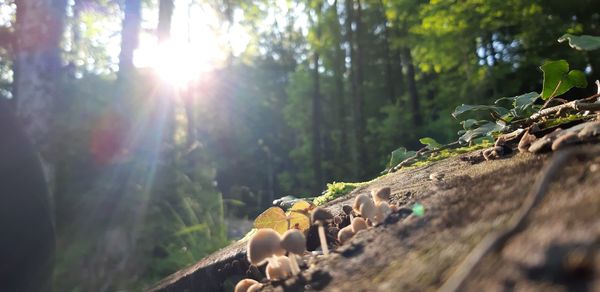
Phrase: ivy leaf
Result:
[485,129]
[299,215]
[521,103]
[274,218]
[400,155]
[470,124]
[525,101]
[278,220]
[582,42]
[558,79]
[463,108]
[430,143]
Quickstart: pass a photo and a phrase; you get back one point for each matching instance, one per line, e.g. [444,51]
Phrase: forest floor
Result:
[465,199]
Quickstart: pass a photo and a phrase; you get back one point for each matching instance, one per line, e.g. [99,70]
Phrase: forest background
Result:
[164,125]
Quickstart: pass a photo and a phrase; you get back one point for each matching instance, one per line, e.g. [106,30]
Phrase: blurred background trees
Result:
[160,122]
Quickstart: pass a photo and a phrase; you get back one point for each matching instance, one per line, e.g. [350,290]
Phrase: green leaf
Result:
[582,42]
[558,79]
[430,143]
[400,155]
[463,108]
[470,124]
[524,101]
[521,104]
[485,129]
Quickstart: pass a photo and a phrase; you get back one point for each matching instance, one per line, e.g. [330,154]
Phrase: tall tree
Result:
[360,126]
[129,38]
[413,92]
[37,65]
[317,118]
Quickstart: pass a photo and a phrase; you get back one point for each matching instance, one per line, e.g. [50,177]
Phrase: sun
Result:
[178,62]
[199,43]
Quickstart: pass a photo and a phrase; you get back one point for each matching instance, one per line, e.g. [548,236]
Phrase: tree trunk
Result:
[340,100]
[316,112]
[389,71]
[37,63]
[165,13]
[129,38]
[359,102]
[412,86]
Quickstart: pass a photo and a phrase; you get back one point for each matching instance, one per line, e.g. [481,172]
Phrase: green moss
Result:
[562,120]
[450,153]
[336,190]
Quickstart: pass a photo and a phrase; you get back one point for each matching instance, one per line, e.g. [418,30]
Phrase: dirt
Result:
[465,198]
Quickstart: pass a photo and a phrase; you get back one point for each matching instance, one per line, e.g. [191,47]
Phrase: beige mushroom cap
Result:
[255,287]
[282,271]
[294,241]
[359,200]
[345,234]
[358,224]
[264,244]
[244,285]
[383,211]
[367,209]
[381,195]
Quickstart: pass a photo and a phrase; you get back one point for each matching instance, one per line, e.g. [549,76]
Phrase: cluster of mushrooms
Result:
[267,246]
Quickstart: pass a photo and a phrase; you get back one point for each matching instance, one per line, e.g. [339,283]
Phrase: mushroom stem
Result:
[294,264]
[274,261]
[323,239]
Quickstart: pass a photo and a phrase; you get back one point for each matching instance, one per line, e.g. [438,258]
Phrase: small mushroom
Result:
[279,269]
[347,209]
[368,210]
[358,224]
[295,243]
[244,285]
[383,210]
[382,194]
[255,287]
[359,200]
[320,216]
[264,246]
[345,233]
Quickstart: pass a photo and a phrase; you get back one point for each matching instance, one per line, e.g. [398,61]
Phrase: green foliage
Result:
[398,156]
[465,108]
[486,129]
[582,42]
[523,105]
[558,79]
[430,143]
